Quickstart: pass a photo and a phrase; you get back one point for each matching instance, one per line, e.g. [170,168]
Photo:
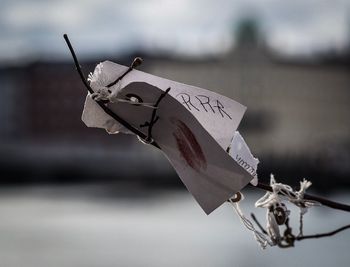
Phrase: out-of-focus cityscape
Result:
[287,62]
[296,123]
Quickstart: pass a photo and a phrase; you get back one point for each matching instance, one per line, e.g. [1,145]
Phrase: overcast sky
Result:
[34,28]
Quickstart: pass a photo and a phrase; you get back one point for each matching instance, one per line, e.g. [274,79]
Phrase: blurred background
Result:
[76,196]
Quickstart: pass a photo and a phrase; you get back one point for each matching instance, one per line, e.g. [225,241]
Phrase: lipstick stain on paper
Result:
[188,146]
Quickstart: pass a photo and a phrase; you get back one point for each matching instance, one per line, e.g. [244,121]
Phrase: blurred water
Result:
[100,226]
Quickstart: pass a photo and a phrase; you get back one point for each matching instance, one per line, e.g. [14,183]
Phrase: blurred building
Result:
[296,123]
[44,140]
[297,116]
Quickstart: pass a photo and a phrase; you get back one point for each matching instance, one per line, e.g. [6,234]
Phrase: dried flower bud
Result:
[137,62]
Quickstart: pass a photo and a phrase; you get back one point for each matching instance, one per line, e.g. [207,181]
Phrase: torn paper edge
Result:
[241,153]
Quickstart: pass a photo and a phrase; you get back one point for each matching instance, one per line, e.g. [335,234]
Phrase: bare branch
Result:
[102,105]
[324,234]
[258,223]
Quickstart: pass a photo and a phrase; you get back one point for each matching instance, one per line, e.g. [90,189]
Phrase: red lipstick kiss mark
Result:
[188,146]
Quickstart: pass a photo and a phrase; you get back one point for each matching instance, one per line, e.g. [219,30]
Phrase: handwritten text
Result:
[203,103]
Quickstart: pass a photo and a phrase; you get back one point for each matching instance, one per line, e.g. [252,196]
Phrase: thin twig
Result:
[137,61]
[77,65]
[324,234]
[301,224]
[258,223]
[104,107]
[154,113]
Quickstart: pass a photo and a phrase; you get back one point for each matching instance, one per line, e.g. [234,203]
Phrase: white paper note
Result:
[218,114]
[193,139]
